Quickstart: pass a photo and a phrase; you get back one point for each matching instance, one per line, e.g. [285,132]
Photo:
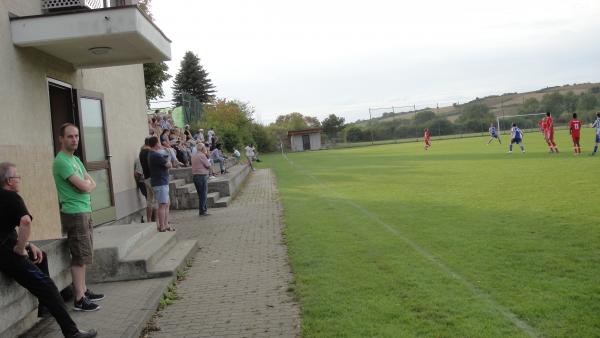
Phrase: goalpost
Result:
[523,121]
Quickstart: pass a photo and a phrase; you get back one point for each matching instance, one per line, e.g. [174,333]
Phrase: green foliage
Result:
[552,102]
[263,140]
[530,106]
[587,101]
[154,76]
[296,121]
[192,79]
[353,134]
[424,116]
[232,122]
[476,111]
[332,125]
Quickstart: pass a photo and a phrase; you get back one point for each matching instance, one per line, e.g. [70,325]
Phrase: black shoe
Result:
[84,334]
[94,297]
[204,214]
[85,305]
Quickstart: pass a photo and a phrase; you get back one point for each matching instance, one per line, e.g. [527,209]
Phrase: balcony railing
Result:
[66,5]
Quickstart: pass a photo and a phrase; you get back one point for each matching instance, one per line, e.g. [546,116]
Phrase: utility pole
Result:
[371,126]
[416,130]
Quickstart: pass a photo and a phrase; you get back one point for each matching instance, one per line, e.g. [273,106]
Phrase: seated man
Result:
[24,262]
[217,157]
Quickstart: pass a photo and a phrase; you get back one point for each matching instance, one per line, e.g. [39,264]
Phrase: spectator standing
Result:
[151,204]
[74,185]
[211,134]
[237,155]
[159,164]
[23,261]
[138,176]
[200,171]
[250,155]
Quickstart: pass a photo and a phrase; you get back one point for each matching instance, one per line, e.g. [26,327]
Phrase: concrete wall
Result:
[26,132]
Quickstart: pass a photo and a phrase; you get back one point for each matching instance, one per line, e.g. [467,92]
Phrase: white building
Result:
[58,64]
[306,139]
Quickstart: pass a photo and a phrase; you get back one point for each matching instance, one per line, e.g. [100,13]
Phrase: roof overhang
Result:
[304,131]
[94,38]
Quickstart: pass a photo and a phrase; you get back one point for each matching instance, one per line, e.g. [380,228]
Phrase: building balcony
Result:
[94,38]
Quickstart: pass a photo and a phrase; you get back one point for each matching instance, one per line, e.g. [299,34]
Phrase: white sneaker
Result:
[510,151]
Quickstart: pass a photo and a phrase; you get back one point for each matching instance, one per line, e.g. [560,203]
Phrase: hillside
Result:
[505,104]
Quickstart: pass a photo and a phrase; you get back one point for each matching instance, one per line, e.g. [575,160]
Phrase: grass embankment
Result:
[463,240]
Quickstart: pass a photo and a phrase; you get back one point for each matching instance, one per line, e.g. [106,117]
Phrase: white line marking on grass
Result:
[529,330]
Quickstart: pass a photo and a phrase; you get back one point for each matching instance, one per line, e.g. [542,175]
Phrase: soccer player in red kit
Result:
[549,133]
[427,139]
[574,130]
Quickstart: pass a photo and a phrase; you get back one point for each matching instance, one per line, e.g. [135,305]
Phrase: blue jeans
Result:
[201,183]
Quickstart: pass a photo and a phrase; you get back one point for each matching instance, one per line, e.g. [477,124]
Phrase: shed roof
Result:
[304,131]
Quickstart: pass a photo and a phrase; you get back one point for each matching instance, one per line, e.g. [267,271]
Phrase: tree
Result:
[231,120]
[332,125]
[553,102]
[475,111]
[530,106]
[192,79]
[353,134]
[154,76]
[587,101]
[154,73]
[424,116]
[296,121]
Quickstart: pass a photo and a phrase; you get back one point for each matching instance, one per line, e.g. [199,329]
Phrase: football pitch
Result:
[462,240]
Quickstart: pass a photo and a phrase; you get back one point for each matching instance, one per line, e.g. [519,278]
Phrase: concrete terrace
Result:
[236,287]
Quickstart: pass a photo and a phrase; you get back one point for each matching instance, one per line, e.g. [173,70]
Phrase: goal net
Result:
[525,122]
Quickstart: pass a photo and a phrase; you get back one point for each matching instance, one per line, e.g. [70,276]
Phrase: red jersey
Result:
[549,123]
[575,127]
[427,135]
[542,124]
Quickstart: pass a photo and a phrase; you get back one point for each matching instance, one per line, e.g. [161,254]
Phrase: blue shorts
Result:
[597,138]
[161,194]
[516,140]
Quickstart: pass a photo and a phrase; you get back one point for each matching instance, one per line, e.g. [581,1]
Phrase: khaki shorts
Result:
[79,230]
[150,199]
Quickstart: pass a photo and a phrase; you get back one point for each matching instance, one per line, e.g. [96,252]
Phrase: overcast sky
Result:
[344,56]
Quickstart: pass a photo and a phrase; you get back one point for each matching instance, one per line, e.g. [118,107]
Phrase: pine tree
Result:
[192,79]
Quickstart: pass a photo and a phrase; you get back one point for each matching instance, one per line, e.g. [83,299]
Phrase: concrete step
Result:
[222,202]
[173,259]
[212,198]
[189,188]
[121,238]
[176,183]
[151,251]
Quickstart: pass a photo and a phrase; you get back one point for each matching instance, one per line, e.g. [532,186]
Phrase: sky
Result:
[343,56]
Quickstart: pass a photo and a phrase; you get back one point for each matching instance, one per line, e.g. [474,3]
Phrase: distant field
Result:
[462,240]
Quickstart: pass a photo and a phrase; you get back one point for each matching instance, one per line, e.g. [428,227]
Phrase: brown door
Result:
[95,153]
[61,110]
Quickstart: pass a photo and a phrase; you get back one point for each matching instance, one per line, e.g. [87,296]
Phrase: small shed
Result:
[305,139]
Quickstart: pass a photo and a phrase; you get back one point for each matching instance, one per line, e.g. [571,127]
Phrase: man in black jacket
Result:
[23,261]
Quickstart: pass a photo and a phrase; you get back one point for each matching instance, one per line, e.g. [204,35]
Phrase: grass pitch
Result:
[463,240]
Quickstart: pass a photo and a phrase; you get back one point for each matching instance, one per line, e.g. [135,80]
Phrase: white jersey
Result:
[515,132]
[597,126]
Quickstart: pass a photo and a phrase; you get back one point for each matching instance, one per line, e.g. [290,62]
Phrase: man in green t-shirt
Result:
[74,186]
